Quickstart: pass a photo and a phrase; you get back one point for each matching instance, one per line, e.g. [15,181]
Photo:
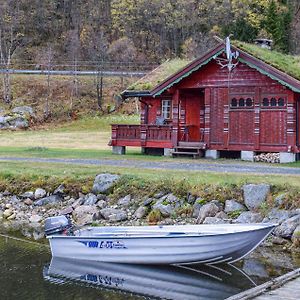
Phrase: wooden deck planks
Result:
[285,287]
[289,291]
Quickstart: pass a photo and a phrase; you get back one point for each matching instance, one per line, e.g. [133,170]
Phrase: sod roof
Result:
[288,64]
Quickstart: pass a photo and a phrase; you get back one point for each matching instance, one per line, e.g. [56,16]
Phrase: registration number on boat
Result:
[104,244]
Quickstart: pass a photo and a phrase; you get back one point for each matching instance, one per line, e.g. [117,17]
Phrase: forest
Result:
[137,31]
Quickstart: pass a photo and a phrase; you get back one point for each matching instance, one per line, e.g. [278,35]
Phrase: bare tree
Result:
[5,61]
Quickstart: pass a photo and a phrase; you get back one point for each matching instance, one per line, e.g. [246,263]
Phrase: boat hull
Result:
[164,248]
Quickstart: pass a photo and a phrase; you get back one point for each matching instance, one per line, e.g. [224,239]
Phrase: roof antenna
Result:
[230,56]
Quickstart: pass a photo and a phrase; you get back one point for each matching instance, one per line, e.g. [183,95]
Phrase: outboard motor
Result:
[58,225]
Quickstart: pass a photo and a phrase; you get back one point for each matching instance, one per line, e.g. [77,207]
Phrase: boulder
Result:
[279,200]
[196,209]
[253,267]
[215,220]
[296,236]
[23,110]
[67,211]
[249,217]
[53,199]
[113,214]
[28,201]
[255,195]
[125,201]
[90,199]
[35,219]
[165,209]
[60,190]
[233,205]
[28,194]
[277,216]
[7,213]
[104,182]
[101,204]
[140,212]
[207,210]
[148,201]
[39,193]
[85,214]
[222,215]
[287,228]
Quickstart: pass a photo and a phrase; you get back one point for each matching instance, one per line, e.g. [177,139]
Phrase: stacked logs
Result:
[268,157]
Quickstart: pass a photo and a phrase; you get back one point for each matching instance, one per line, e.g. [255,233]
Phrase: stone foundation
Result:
[214,154]
[120,150]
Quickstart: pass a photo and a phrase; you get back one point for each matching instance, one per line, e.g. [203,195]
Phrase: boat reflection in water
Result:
[167,282]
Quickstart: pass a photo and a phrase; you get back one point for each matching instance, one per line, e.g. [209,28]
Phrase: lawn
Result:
[88,139]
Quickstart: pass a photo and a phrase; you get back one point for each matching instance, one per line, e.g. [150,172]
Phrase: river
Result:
[27,272]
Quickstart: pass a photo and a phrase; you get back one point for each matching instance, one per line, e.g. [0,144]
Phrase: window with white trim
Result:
[166,109]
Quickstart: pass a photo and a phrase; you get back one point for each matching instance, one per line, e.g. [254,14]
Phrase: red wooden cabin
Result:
[204,108]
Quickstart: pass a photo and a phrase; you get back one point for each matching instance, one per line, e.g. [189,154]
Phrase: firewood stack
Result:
[272,158]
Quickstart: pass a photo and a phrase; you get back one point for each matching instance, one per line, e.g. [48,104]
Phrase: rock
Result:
[125,201]
[8,205]
[35,219]
[196,209]
[104,182]
[7,213]
[67,211]
[12,216]
[113,214]
[277,216]
[28,201]
[287,228]
[159,195]
[59,190]
[233,205]
[278,201]
[207,210]
[85,214]
[253,267]
[39,193]
[215,220]
[28,194]
[255,195]
[102,197]
[166,210]
[90,199]
[276,240]
[48,200]
[101,204]
[222,215]
[249,217]
[296,236]
[191,199]
[218,203]
[148,201]
[140,212]
[24,110]
[14,199]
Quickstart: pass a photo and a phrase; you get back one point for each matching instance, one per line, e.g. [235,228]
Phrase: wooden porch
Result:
[160,136]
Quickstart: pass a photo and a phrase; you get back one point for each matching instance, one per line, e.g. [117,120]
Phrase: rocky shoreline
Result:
[25,213]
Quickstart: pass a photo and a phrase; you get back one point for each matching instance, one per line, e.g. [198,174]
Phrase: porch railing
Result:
[141,133]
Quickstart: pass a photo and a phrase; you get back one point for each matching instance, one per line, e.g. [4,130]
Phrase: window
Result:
[273,102]
[265,102]
[241,102]
[166,109]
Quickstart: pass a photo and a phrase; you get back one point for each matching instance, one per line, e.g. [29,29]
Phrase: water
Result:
[27,272]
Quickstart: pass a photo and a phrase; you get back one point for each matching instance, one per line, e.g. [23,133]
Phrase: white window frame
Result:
[166,109]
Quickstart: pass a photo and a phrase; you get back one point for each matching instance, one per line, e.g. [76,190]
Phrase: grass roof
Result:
[286,63]
[155,77]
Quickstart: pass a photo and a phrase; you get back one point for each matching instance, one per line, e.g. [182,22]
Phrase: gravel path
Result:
[205,165]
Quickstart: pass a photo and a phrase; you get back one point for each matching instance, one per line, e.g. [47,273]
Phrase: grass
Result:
[287,63]
[193,178]
[158,75]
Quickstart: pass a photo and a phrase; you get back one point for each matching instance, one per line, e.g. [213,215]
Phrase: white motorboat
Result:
[159,281]
[177,244]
